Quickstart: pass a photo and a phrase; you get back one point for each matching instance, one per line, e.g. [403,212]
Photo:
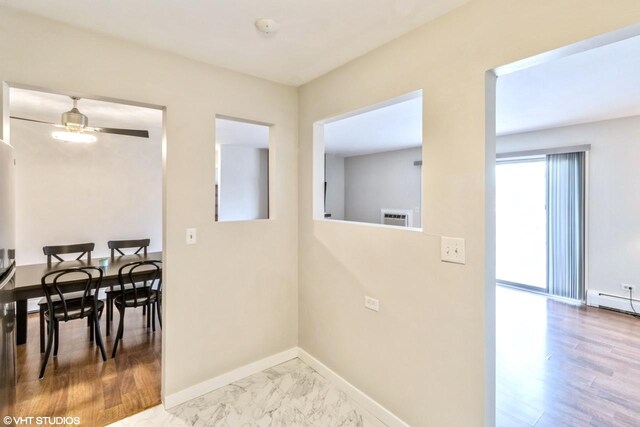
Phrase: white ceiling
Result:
[48,107]
[390,127]
[241,133]
[599,84]
[314,37]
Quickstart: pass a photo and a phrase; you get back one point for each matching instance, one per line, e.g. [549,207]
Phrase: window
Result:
[242,170]
[521,223]
[372,164]
[540,223]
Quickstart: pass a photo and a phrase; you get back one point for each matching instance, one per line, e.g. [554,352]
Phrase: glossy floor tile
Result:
[290,394]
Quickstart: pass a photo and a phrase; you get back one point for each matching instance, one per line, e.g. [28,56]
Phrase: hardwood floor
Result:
[564,365]
[78,384]
[557,365]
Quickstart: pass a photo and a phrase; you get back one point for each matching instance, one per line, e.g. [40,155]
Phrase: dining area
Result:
[98,318]
[87,285]
[71,289]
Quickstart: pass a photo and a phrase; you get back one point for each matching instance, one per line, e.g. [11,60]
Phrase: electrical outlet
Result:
[627,287]
[452,249]
[191,236]
[372,303]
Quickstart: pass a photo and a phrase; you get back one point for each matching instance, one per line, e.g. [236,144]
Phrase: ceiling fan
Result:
[75,125]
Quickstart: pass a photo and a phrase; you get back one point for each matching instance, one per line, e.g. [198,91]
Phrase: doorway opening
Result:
[89,176]
[562,125]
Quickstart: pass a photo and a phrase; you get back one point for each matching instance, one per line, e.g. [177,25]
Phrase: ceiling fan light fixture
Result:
[79,137]
[76,124]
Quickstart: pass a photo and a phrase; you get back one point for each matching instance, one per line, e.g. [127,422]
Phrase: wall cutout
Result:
[371,162]
[242,170]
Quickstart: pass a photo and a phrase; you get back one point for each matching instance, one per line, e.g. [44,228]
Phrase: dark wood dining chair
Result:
[78,248]
[135,283]
[84,249]
[64,309]
[119,246]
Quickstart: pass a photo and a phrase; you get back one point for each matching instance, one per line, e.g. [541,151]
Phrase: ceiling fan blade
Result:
[32,120]
[128,132]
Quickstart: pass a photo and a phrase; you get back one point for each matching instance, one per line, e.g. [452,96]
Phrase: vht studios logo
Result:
[41,421]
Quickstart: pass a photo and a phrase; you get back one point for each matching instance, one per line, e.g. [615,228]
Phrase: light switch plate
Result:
[452,249]
[191,236]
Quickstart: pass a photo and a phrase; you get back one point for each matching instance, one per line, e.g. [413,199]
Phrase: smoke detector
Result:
[267,26]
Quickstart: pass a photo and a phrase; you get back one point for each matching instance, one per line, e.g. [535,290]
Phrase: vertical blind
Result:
[566,224]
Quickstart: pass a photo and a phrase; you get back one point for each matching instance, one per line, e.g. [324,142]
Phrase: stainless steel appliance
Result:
[7,271]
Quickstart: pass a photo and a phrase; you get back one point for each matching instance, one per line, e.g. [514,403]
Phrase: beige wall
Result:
[232,298]
[423,355]
[109,209]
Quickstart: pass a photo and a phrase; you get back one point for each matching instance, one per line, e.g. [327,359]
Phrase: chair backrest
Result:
[81,248]
[140,277]
[89,278]
[117,245]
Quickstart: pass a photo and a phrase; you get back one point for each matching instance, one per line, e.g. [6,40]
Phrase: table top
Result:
[28,277]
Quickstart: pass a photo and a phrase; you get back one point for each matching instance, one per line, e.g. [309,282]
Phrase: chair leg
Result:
[144,310]
[109,310]
[103,352]
[152,314]
[159,310]
[91,324]
[100,310]
[47,352]
[42,328]
[120,332]
[56,338]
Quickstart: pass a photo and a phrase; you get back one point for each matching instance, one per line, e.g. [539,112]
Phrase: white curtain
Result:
[566,224]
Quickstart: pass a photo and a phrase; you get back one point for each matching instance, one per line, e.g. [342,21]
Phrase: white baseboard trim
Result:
[605,299]
[377,410]
[227,378]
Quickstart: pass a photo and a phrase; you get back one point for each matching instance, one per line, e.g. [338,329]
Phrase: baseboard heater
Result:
[612,302]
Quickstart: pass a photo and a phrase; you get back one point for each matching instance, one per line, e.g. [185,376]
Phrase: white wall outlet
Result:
[627,287]
[371,303]
[191,236]
[452,249]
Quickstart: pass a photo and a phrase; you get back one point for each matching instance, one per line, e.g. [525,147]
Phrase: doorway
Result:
[96,183]
[556,359]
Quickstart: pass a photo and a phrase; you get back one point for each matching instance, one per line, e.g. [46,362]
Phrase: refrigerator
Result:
[7,273]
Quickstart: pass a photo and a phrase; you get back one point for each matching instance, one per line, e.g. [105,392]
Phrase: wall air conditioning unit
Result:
[397,217]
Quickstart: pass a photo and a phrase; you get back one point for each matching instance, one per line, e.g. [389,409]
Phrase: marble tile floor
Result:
[290,394]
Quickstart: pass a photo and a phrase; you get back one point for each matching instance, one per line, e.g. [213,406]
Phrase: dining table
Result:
[28,281]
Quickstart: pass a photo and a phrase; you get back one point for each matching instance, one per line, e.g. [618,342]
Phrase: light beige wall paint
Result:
[50,174]
[232,298]
[423,355]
